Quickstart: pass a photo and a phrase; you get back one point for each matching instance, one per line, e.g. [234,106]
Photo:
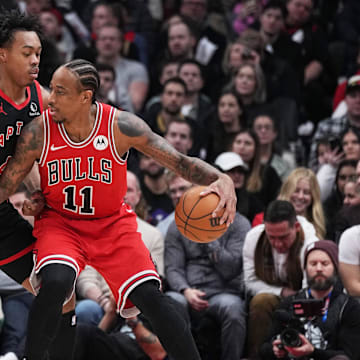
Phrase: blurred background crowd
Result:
[266,90]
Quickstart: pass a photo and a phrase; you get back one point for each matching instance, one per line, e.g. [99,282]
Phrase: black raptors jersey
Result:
[13,118]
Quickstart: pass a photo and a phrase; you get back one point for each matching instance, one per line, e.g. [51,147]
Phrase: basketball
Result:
[193,216]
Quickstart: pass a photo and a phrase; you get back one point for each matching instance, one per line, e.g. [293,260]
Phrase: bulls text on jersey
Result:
[74,169]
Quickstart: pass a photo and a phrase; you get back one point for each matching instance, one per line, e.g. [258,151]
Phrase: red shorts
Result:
[111,245]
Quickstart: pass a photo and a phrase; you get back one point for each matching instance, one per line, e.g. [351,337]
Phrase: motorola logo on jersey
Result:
[34,111]
[101,142]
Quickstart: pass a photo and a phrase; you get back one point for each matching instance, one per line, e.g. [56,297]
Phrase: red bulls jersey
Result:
[86,179]
[13,118]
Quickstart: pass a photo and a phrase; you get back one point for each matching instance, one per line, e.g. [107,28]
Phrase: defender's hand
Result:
[224,187]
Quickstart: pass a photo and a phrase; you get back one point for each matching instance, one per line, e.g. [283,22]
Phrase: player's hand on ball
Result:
[35,205]
[224,187]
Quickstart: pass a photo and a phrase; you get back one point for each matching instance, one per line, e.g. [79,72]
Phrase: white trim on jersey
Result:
[35,280]
[59,259]
[113,150]
[45,149]
[143,276]
[90,138]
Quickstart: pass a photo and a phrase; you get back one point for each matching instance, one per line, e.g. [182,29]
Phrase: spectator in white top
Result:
[349,260]
[273,265]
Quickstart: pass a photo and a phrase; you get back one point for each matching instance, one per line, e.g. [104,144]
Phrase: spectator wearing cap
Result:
[339,104]
[273,259]
[334,334]
[339,95]
[233,165]
[334,127]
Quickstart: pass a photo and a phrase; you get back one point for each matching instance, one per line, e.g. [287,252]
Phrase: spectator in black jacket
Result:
[333,335]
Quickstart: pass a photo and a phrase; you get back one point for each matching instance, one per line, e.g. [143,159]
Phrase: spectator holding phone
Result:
[335,334]
[334,127]
[344,147]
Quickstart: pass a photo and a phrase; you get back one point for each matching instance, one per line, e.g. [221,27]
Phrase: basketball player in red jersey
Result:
[82,146]
[22,99]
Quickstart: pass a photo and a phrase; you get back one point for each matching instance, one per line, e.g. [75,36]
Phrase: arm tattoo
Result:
[155,146]
[28,148]
[192,169]
[130,125]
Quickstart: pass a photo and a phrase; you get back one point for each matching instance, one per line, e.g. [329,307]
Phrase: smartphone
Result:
[308,307]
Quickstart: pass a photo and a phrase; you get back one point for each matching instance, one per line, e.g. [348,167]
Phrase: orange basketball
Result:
[193,216]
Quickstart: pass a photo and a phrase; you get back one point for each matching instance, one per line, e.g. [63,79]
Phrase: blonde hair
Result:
[314,213]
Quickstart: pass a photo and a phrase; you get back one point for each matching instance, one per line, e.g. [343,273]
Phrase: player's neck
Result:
[81,125]
[16,93]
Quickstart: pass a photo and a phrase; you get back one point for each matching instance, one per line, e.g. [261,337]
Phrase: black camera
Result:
[303,310]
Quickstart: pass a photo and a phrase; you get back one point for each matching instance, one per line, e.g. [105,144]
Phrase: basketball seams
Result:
[192,209]
[198,228]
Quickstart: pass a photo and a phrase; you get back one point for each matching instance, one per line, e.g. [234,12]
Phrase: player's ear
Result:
[2,55]
[87,96]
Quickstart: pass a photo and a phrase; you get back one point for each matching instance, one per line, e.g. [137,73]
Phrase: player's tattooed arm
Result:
[139,135]
[155,146]
[28,149]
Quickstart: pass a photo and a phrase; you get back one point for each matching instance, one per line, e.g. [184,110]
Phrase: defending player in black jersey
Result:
[21,100]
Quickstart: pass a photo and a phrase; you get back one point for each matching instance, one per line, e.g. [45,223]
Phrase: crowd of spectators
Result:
[268,91]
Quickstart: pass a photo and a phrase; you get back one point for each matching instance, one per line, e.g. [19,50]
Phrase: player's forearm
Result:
[9,185]
[196,171]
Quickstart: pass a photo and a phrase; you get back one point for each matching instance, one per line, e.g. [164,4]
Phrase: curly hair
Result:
[13,21]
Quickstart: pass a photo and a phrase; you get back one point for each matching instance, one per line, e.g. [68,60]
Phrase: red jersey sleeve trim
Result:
[117,157]
[46,144]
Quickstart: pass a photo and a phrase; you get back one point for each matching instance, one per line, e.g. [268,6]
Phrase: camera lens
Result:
[290,337]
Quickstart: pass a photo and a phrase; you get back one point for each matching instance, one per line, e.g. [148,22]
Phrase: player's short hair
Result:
[279,211]
[12,21]
[87,74]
